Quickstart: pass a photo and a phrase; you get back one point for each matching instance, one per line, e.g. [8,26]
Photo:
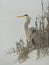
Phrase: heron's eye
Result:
[25,15]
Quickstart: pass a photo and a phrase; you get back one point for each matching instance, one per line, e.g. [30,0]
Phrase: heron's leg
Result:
[38,53]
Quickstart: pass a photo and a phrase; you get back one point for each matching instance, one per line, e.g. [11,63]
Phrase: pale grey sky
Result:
[11,28]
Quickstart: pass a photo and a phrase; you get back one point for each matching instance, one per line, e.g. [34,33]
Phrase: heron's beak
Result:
[20,16]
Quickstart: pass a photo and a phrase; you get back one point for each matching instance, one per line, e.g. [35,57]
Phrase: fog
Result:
[12,28]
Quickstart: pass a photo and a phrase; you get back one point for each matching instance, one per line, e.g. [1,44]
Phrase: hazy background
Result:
[12,28]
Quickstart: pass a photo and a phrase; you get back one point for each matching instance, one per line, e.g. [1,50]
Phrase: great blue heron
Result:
[28,31]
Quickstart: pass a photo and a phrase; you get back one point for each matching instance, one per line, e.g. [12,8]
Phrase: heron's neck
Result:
[26,25]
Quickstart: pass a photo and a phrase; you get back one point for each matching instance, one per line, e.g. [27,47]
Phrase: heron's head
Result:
[24,16]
